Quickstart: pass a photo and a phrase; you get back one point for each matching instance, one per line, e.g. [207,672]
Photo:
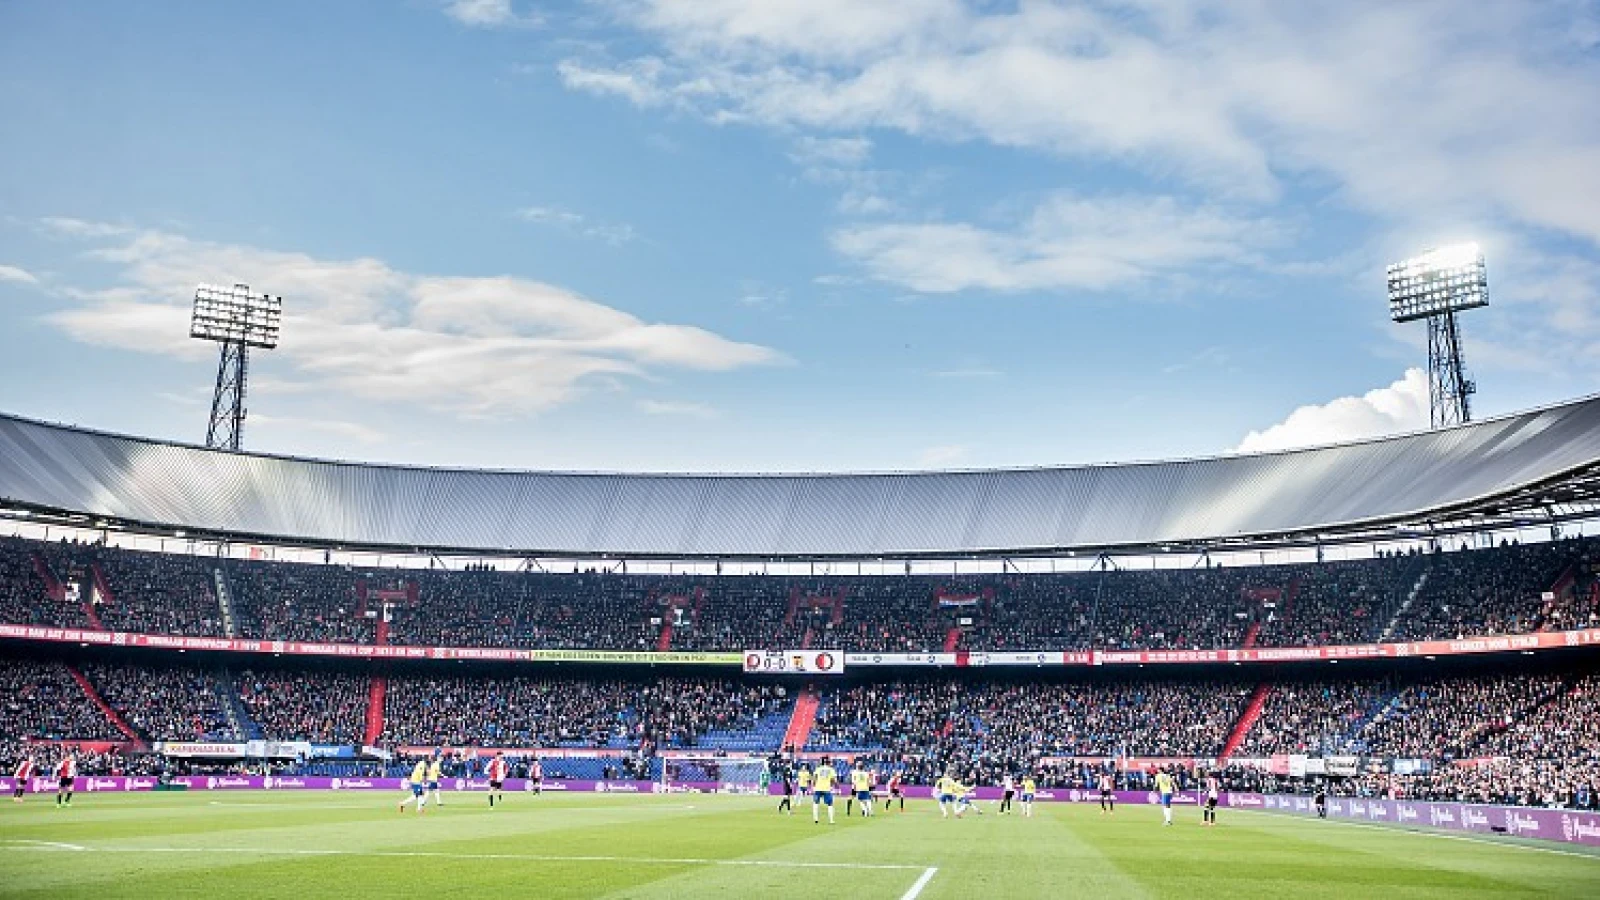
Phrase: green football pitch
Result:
[294,845]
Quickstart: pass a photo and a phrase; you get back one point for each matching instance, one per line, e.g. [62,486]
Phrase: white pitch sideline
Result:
[513,857]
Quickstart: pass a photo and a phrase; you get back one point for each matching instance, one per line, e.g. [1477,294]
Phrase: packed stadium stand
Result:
[357,664]
[1411,597]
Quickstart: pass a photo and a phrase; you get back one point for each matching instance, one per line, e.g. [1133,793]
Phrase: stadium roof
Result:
[1529,468]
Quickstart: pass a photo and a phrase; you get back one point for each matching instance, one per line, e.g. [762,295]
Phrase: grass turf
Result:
[305,845]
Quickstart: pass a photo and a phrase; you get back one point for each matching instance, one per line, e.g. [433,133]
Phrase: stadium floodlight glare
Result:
[237,320]
[227,314]
[1435,286]
[1446,279]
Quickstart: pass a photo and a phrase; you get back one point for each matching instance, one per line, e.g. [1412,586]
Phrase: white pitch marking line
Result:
[916,889]
[1400,829]
[436,854]
[43,845]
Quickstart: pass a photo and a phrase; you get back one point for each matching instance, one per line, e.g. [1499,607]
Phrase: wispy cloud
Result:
[1400,108]
[969,372]
[1066,242]
[678,408]
[66,226]
[1400,407]
[17,275]
[471,345]
[831,151]
[1208,358]
[943,456]
[576,223]
[489,14]
[352,430]
[757,295]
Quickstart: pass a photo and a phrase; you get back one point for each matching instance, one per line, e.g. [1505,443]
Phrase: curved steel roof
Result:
[134,482]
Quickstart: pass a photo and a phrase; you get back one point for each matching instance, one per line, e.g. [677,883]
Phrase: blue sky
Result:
[709,235]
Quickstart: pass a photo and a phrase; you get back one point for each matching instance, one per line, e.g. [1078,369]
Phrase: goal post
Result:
[722,774]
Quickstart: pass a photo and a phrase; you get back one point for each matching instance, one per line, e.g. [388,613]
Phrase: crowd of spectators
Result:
[159,593]
[1448,718]
[332,709]
[165,704]
[24,597]
[1463,593]
[42,701]
[1336,603]
[1578,606]
[1004,726]
[1530,738]
[1487,592]
[1314,718]
[544,712]
[298,602]
[584,611]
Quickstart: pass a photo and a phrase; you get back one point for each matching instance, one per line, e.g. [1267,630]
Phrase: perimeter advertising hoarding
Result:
[1544,640]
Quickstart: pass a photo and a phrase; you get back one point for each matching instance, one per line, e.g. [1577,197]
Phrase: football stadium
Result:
[203,717]
[652,483]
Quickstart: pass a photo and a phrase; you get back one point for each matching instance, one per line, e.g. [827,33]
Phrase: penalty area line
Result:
[927,873]
[1444,836]
[916,889]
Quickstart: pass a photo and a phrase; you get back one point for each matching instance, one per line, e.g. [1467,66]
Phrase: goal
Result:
[723,774]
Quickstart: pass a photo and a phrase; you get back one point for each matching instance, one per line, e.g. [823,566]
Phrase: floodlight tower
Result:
[1435,286]
[238,320]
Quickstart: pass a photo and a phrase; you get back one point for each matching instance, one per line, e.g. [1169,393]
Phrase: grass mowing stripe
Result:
[515,857]
[1424,832]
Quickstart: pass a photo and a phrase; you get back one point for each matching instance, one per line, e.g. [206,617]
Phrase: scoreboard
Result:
[795,662]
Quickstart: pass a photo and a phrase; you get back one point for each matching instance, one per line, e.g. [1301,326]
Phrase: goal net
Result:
[723,774]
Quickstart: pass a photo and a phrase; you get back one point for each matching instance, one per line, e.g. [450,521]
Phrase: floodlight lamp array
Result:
[235,315]
[1446,279]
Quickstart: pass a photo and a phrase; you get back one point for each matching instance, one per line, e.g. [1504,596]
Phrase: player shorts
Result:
[494,785]
[66,784]
[823,797]
[1166,799]
[417,790]
[864,796]
[894,792]
[1008,795]
[1105,794]
[1027,798]
[947,798]
[433,785]
[1211,801]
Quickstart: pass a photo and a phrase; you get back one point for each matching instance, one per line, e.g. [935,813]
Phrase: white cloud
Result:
[1400,407]
[288,424]
[943,456]
[472,345]
[578,224]
[974,371]
[637,81]
[678,408]
[814,151]
[66,226]
[487,13]
[18,275]
[1403,107]
[1066,242]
